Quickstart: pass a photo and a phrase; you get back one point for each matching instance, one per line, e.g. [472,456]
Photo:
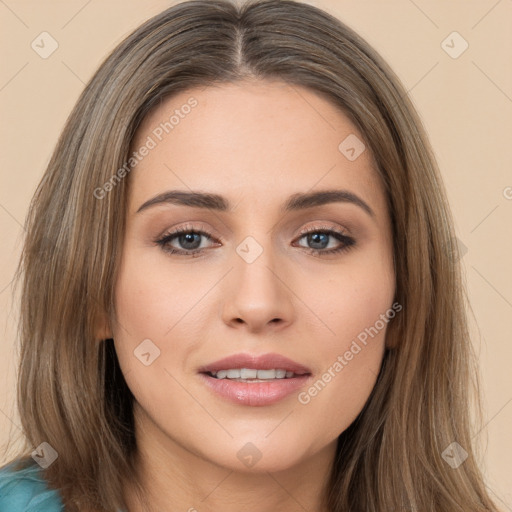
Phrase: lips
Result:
[259,362]
[255,392]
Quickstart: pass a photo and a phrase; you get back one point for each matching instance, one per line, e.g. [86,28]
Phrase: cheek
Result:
[357,308]
[157,312]
[350,300]
[151,300]
[151,309]
[149,304]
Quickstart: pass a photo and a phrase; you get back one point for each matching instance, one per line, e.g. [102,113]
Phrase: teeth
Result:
[247,373]
[266,374]
[252,373]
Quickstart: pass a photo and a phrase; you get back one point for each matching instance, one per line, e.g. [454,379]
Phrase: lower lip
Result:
[255,393]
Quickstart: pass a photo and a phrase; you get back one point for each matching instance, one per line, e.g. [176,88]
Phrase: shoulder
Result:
[25,490]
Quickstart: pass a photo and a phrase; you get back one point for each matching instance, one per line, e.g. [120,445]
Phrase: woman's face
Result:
[265,271]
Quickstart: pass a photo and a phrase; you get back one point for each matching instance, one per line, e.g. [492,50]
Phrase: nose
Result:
[257,295]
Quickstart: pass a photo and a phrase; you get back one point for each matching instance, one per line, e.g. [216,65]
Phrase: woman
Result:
[308,350]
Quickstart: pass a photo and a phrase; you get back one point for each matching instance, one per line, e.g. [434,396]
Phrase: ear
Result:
[102,329]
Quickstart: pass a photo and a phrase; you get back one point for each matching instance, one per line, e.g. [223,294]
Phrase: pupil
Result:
[315,238]
[189,238]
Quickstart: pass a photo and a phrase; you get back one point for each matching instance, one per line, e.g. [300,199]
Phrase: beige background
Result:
[465,102]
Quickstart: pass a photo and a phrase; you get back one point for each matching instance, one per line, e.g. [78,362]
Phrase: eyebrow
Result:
[298,201]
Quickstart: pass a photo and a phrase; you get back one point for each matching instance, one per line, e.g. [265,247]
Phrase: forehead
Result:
[260,140]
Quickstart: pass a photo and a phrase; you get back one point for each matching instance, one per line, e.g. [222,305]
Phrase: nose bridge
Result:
[255,252]
[257,293]
[254,267]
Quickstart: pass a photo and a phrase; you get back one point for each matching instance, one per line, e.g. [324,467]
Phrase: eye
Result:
[189,241]
[319,239]
[188,238]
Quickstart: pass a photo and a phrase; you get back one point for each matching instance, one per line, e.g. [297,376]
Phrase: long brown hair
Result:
[71,392]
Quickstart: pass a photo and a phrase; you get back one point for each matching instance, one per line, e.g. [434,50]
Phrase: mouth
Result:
[255,380]
[253,374]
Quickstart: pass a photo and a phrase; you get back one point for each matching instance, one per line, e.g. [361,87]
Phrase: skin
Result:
[255,143]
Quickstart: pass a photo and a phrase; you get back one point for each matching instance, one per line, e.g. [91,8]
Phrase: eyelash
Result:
[347,241]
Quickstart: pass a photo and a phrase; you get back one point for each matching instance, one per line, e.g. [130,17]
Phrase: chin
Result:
[258,455]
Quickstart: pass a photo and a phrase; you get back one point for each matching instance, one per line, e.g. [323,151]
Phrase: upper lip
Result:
[258,362]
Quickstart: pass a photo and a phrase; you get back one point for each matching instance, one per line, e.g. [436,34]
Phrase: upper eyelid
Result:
[208,231]
[324,227]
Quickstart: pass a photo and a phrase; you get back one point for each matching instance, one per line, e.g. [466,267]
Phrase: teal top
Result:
[26,490]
